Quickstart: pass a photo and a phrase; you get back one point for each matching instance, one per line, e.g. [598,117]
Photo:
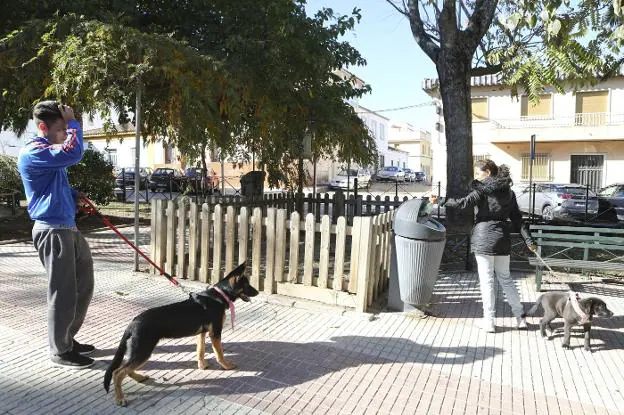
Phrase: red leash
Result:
[89,208]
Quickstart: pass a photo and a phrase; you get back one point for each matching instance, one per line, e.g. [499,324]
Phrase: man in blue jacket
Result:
[63,250]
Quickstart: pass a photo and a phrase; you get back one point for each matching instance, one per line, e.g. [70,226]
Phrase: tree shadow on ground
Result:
[276,365]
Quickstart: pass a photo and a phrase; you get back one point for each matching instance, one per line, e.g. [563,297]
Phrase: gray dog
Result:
[574,311]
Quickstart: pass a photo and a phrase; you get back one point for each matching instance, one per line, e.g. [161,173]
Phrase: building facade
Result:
[579,133]
[416,142]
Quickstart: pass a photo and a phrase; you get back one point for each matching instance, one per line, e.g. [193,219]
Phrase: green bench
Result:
[577,248]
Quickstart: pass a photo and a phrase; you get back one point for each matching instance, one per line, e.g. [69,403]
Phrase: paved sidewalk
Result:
[301,358]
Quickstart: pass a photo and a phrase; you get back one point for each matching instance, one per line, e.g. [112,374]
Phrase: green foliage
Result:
[9,175]
[94,177]
[254,74]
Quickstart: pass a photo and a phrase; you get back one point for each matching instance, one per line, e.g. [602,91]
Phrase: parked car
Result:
[615,195]
[410,176]
[393,173]
[565,202]
[195,177]
[125,177]
[420,176]
[164,178]
[344,176]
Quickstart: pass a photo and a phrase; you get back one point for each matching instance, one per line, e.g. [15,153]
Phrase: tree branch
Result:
[420,35]
[448,23]
[479,22]
[397,8]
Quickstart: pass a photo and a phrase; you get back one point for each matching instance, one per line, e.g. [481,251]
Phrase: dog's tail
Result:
[118,358]
[536,306]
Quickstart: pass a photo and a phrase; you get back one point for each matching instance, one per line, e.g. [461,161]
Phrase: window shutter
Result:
[479,109]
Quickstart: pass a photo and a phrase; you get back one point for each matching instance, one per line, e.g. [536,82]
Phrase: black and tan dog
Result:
[574,311]
[202,313]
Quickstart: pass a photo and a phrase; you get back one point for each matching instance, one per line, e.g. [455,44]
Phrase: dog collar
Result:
[230,303]
[574,300]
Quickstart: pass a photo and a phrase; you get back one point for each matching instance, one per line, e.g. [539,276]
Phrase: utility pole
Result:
[137,174]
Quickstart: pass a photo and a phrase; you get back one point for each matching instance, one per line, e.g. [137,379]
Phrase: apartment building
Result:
[579,133]
[417,144]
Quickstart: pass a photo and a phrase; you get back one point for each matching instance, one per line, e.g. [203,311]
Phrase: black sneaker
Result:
[71,360]
[83,348]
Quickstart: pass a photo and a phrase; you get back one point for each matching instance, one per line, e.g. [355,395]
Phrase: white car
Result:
[410,175]
[393,173]
[345,176]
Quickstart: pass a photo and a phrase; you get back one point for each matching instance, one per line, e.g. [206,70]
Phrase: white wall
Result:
[10,143]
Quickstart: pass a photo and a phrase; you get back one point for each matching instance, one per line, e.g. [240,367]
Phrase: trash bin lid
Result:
[412,220]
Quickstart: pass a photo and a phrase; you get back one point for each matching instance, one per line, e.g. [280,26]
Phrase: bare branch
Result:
[420,35]
[397,8]
[479,22]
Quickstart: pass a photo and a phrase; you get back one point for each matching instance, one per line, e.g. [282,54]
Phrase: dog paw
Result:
[588,349]
[141,378]
[566,346]
[227,365]
[121,402]
[203,365]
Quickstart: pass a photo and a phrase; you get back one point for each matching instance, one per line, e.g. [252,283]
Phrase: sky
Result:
[396,66]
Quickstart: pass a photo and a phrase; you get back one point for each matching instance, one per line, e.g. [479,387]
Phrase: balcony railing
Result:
[593,119]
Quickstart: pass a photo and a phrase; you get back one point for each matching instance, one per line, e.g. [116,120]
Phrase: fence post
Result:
[364,260]
[269,277]
[194,236]
[230,231]
[171,237]
[293,260]
[280,245]
[309,249]
[217,243]
[243,234]
[182,225]
[206,217]
[153,231]
[256,246]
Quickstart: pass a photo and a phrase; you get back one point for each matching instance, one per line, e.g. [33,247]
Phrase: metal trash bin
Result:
[419,242]
[252,183]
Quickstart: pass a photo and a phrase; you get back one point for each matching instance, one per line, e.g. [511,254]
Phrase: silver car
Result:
[410,175]
[346,179]
[570,202]
[393,173]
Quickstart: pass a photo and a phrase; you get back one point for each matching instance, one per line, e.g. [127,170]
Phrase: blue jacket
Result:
[43,168]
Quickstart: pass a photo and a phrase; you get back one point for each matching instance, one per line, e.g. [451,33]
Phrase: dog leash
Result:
[89,208]
[230,303]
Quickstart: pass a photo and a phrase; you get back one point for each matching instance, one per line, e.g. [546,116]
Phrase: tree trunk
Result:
[454,74]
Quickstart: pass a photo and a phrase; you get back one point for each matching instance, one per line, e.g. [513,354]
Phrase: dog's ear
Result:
[235,274]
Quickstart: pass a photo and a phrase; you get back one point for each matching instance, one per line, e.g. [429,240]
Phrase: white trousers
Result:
[488,266]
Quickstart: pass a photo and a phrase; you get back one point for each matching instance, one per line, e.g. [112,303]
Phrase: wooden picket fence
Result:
[337,264]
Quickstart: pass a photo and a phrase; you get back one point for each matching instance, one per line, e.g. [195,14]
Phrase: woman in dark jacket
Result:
[491,240]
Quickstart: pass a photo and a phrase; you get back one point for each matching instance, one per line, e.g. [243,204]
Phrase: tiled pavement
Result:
[306,359]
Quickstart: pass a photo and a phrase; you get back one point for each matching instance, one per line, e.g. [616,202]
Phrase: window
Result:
[374,128]
[591,108]
[541,109]
[479,109]
[111,156]
[541,166]
[132,155]
[382,132]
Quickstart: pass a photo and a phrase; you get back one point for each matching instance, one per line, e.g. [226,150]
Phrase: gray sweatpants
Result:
[66,257]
